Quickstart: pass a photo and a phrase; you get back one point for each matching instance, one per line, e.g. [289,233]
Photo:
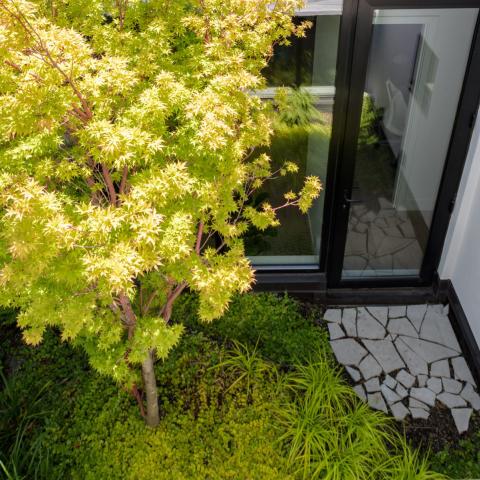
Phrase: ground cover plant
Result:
[127,134]
[255,395]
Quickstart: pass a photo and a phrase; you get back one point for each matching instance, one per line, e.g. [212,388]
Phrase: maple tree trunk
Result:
[152,417]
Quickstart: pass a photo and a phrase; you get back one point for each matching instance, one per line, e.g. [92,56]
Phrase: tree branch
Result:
[129,314]
[166,311]
[109,182]
[123,182]
[198,244]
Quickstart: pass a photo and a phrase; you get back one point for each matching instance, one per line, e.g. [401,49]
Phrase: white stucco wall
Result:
[461,255]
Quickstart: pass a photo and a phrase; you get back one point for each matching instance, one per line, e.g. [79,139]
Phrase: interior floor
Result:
[381,240]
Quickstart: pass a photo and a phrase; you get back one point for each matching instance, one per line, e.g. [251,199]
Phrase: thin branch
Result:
[123,182]
[146,307]
[166,311]
[131,318]
[109,182]
[198,244]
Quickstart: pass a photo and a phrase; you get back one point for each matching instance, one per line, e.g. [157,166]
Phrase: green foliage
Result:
[368,122]
[229,408]
[126,139]
[330,434]
[273,325]
[462,461]
[295,107]
[20,458]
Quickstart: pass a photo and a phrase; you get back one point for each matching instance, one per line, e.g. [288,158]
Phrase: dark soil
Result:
[438,431]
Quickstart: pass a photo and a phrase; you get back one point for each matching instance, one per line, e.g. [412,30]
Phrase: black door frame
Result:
[354,46]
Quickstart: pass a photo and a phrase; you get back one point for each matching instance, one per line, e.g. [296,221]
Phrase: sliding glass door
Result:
[408,74]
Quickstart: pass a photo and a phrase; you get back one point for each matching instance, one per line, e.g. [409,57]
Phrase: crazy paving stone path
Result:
[404,359]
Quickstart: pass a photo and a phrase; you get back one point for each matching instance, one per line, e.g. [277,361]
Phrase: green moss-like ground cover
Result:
[255,395]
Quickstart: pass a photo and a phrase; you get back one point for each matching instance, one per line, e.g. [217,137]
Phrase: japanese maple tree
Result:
[128,132]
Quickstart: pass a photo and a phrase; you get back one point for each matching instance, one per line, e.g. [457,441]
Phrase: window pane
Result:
[304,138]
[310,60]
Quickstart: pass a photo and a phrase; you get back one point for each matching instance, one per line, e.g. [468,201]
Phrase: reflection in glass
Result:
[302,135]
[414,78]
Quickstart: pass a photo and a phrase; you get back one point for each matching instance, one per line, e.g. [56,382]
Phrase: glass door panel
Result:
[416,68]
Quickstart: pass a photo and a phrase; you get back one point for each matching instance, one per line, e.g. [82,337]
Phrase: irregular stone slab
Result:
[416,364]
[390,382]
[416,314]
[361,227]
[381,223]
[373,385]
[411,254]
[359,390]
[436,327]
[420,413]
[368,326]
[402,392]
[370,367]
[435,385]
[440,369]
[392,245]
[399,410]
[402,326]
[380,313]
[397,311]
[451,386]
[354,373]
[436,308]
[390,396]
[430,352]
[407,230]
[358,210]
[424,395]
[461,370]
[375,239]
[333,315]
[405,378]
[422,380]
[348,351]
[414,403]
[471,396]
[376,401]
[368,217]
[461,417]
[392,231]
[336,331]
[385,353]
[451,400]
[356,244]
[349,321]
[355,262]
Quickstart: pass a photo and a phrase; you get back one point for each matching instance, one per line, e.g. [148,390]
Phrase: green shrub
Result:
[230,409]
[274,323]
[460,462]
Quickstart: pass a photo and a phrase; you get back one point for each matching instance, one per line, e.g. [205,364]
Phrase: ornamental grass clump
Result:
[329,434]
[127,140]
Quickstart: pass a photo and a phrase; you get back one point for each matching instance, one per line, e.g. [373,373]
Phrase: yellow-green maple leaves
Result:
[126,138]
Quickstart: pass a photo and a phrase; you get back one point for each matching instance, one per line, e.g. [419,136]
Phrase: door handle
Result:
[349,201]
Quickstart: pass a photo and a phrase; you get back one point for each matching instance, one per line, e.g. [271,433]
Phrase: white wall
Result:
[461,255]
[443,56]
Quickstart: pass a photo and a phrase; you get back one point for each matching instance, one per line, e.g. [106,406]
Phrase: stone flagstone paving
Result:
[404,359]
